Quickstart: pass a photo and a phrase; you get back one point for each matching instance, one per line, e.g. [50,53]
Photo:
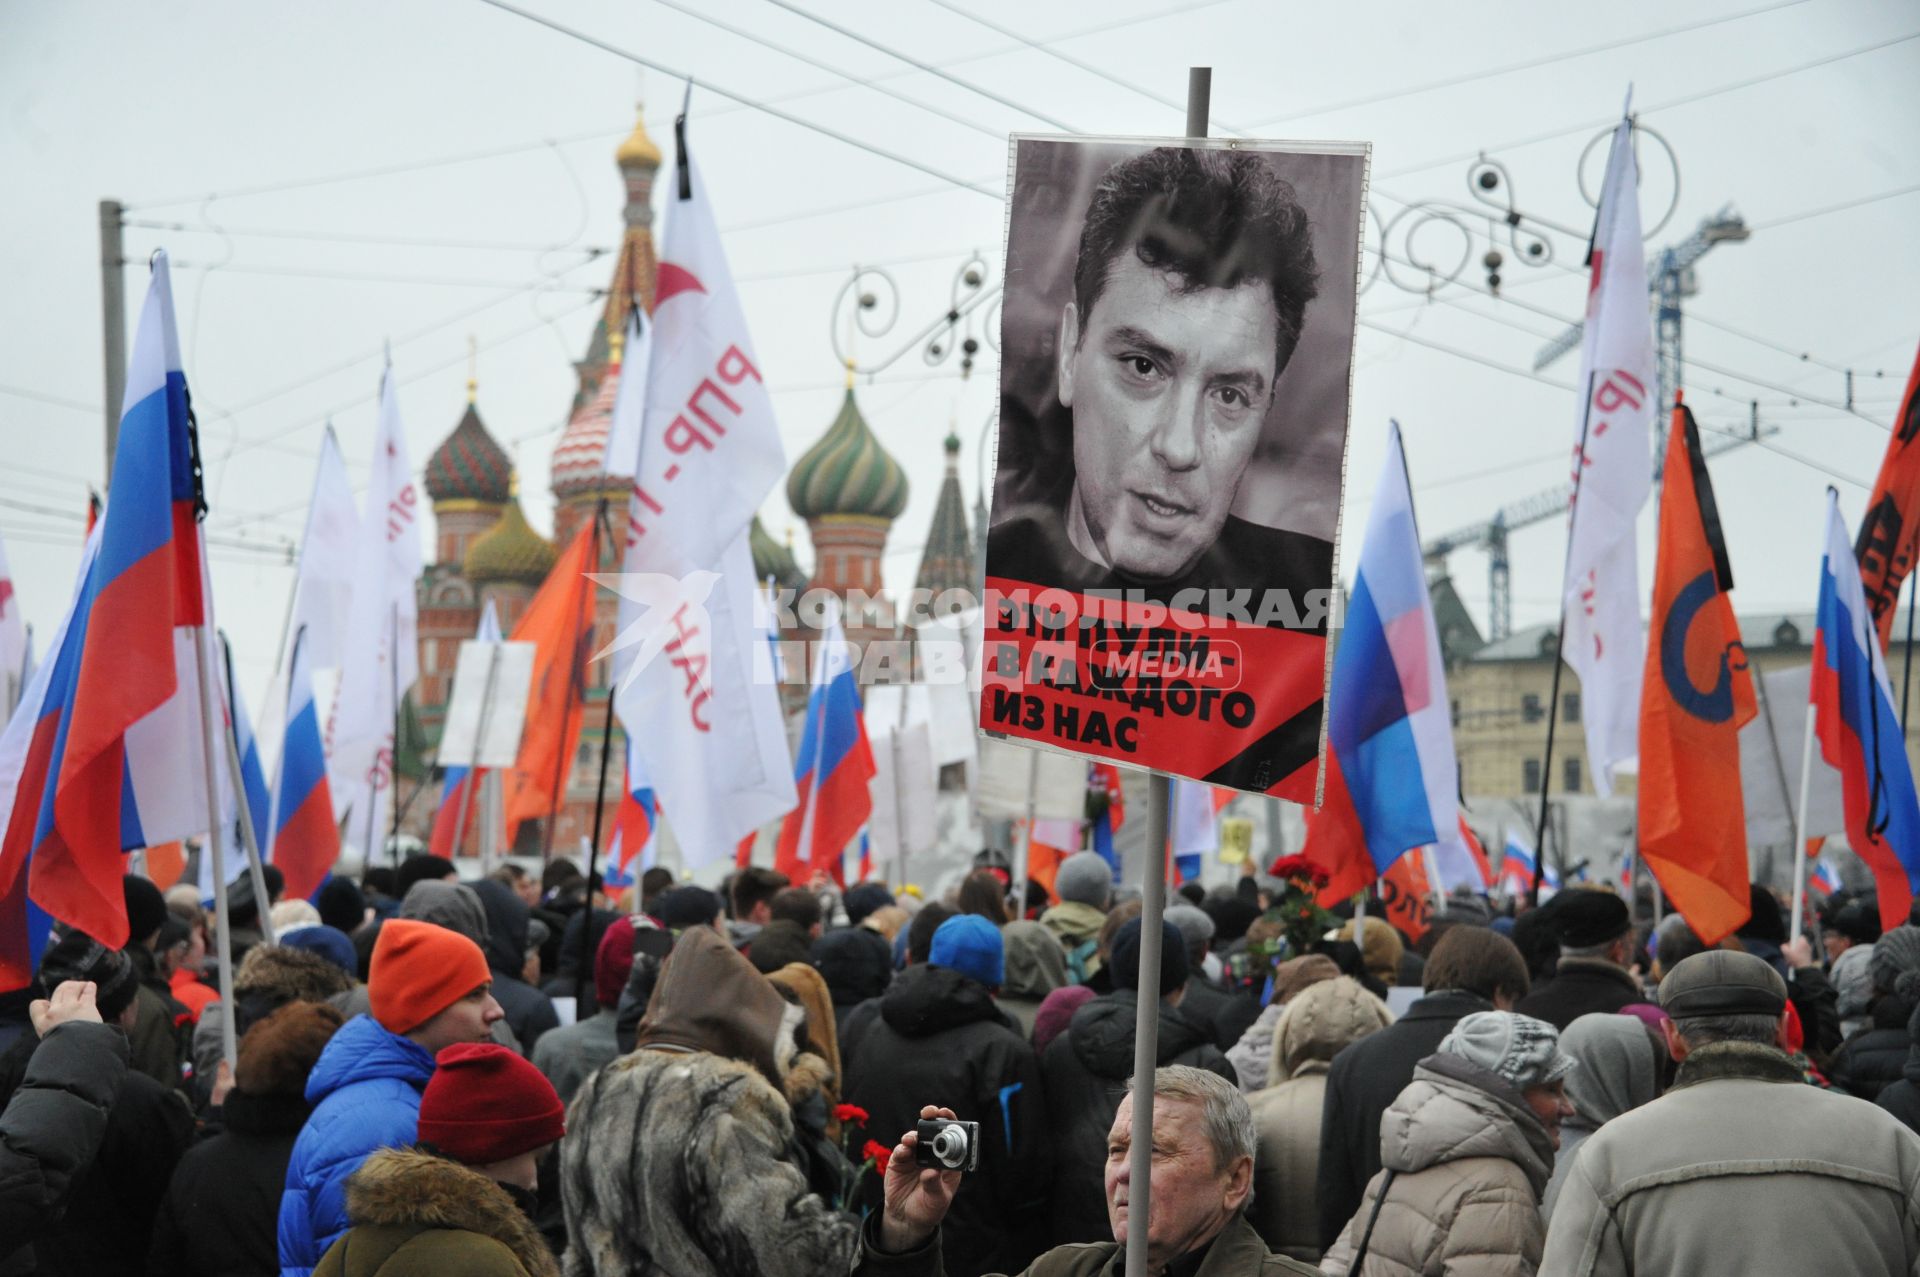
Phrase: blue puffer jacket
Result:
[366,1091]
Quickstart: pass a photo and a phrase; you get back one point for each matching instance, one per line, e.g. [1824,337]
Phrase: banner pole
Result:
[1153,902]
[584,977]
[273,790]
[1023,849]
[1800,828]
[1906,668]
[479,741]
[223,927]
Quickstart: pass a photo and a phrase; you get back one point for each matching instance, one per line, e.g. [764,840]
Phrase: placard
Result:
[512,677]
[1177,338]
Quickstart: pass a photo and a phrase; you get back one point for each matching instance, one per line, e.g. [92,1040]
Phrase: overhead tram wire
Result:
[1842,207]
[694,13]
[368,277]
[352,237]
[917,64]
[1686,99]
[763,107]
[1510,68]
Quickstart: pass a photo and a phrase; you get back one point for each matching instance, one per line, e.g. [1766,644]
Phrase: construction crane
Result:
[1670,278]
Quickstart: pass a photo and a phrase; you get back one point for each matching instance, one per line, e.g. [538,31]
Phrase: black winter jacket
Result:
[111,1205]
[1581,986]
[1086,1071]
[1902,1098]
[1363,1080]
[53,1126]
[1226,1015]
[1876,1057]
[939,1039]
[221,1214]
[529,1011]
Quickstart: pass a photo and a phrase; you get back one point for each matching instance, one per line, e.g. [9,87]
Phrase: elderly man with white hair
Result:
[1202,1179]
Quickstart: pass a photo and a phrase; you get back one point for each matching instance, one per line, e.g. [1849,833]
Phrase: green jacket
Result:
[417,1215]
[1236,1252]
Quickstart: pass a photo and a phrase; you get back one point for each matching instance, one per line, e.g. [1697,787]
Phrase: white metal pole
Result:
[223,931]
[479,742]
[244,809]
[1800,828]
[1023,847]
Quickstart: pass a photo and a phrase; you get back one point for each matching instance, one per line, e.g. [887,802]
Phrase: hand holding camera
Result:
[922,1175]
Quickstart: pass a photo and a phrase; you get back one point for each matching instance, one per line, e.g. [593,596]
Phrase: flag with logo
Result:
[559,624]
[693,675]
[1602,642]
[1696,695]
[1890,529]
[380,659]
[832,767]
[1858,723]
[112,733]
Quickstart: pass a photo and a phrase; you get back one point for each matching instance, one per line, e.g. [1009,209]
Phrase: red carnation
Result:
[1294,866]
[878,1154]
[849,1113]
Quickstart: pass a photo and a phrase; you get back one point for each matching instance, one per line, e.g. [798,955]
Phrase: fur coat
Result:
[417,1215]
[683,1159]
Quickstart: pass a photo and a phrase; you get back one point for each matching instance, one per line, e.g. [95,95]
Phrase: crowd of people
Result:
[520,1076]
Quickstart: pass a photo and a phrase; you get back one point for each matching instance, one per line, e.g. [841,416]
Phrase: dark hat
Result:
[863,898]
[79,956]
[173,931]
[330,943]
[683,907]
[1721,982]
[1126,957]
[1765,921]
[1582,919]
[146,907]
[242,908]
[341,904]
[1857,919]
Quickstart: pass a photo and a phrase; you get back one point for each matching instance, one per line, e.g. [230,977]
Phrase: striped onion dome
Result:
[579,459]
[468,465]
[847,473]
[510,551]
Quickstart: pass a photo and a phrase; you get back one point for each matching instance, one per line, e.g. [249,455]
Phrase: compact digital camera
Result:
[948,1146]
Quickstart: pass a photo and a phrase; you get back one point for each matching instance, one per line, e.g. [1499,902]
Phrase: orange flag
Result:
[1694,697]
[1890,530]
[559,623]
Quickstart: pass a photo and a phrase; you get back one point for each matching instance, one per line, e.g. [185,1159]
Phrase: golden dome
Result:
[510,551]
[638,150]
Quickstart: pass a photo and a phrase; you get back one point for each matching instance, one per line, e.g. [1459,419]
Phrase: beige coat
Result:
[1316,1025]
[1741,1169]
[1469,1161]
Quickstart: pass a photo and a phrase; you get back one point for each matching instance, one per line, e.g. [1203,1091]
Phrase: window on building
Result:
[1530,776]
[1570,707]
[1530,711]
[1570,772]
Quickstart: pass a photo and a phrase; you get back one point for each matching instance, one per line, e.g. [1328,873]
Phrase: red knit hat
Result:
[419,970]
[486,1104]
[613,962]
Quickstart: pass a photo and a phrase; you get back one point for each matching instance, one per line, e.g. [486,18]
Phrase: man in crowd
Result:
[1084,883]
[429,988]
[1202,1176]
[1596,948]
[1471,969]
[1740,1168]
[751,895]
[567,1055]
[529,1013]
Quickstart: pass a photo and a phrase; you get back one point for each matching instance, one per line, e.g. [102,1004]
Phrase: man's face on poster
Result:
[1168,386]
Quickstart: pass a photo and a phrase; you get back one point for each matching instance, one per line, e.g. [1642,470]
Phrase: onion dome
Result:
[847,473]
[638,151]
[771,559]
[580,458]
[511,550]
[468,465]
[947,562]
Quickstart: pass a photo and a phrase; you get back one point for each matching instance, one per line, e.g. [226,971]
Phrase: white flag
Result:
[1196,826]
[13,639]
[381,658]
[630,398]
[323,590]
[1612,450]
[710,450]
[703,710]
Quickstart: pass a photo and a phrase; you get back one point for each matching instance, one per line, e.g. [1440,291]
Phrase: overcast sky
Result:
[484,142]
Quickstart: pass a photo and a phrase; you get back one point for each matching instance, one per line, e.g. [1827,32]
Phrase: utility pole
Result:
[113,321]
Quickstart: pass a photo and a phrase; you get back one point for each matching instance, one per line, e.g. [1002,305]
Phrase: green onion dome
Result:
[847,473]
[510,551]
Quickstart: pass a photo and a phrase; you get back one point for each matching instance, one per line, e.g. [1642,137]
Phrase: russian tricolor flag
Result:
[1389,721]
[636,821]
[1516,869]
[1859,727]
[461,785]
[302,838]
[832,769]
[114,762]
[1825,878]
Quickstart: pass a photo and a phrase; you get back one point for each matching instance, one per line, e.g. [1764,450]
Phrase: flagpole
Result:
[1023,860]
[393,758]
[238,773]
[273,790]
[479,742]
[223,927]
[585,973]
[575,674]
[1906,669]
[1800,821]
[1153,905]
[1559,647]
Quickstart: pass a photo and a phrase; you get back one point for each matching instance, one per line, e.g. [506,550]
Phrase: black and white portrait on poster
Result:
[1176,358]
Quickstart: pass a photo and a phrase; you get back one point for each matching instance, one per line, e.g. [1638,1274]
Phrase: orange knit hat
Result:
[419,970]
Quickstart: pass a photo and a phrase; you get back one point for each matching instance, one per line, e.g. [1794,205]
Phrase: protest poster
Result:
[1177,352]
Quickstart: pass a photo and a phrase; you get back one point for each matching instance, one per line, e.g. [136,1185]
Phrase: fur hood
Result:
[406,1188]
[290,975]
